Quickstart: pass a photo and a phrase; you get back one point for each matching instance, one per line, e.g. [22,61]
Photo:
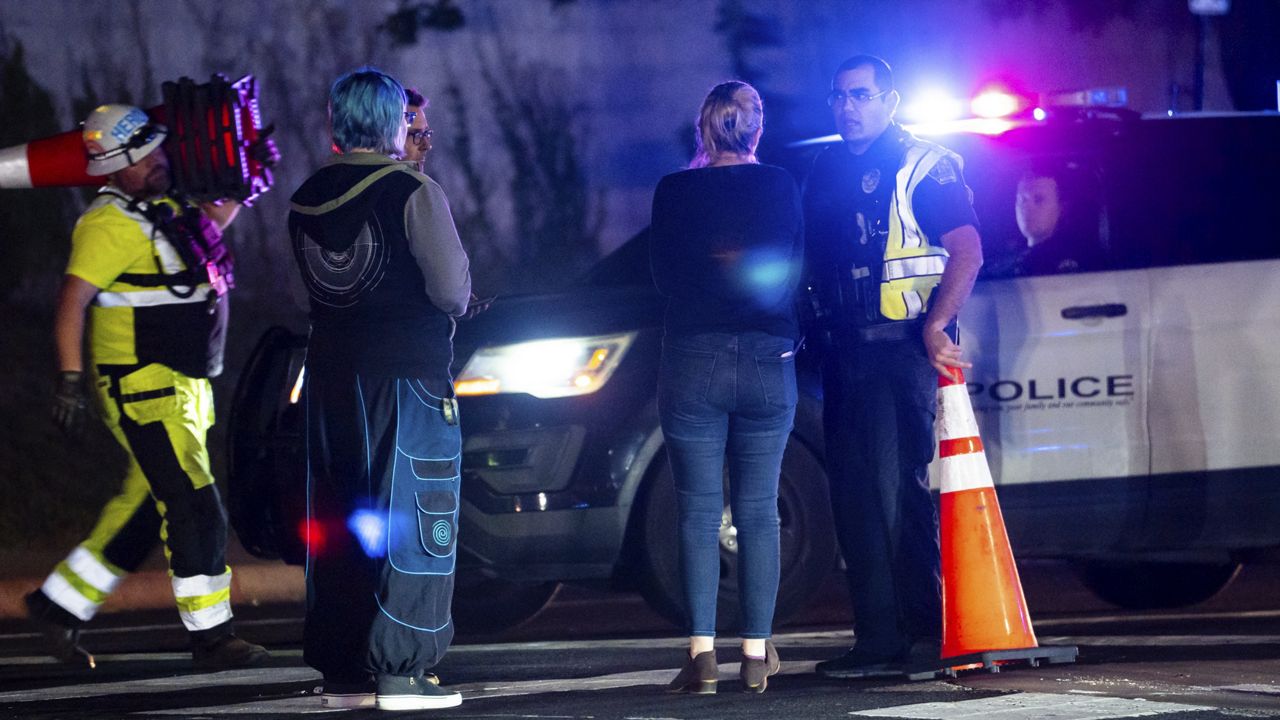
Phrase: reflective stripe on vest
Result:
[169,260]
[912,267]
[204,601]
[148,298]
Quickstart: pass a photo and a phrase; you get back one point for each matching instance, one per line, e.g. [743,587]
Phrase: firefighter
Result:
[893,251]
[153,274]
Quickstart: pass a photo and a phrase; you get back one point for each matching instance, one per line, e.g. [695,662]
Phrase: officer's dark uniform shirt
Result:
[846,205]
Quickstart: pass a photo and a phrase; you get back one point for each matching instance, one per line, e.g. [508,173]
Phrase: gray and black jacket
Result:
[383,266]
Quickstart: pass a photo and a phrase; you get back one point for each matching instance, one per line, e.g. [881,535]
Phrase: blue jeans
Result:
[721,392]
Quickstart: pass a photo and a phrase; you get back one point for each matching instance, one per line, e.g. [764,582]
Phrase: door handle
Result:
[1106,310]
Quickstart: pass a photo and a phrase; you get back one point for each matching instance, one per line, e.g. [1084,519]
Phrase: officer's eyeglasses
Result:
[838,98]
[410,116]
[420,135]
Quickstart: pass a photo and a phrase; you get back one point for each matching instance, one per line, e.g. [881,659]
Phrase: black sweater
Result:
[727,249]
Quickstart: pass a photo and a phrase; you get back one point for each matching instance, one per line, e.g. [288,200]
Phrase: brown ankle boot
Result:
[698,676]
[755,672]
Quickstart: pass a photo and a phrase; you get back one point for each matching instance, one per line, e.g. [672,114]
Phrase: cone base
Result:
[994,660]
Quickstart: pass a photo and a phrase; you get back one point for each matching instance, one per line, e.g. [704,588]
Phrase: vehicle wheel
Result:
[807,542]
[265,445]
[1155,585]
[483,604]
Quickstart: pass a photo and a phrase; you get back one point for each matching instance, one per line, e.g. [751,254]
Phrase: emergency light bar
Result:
[995,111]
[1109,97]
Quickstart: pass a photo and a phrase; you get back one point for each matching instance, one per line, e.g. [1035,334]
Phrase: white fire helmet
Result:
[117,136]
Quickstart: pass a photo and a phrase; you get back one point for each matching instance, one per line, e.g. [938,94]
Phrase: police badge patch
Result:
[871,181]
[944,171]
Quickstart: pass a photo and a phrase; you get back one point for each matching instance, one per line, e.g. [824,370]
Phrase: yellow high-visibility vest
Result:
[912,266]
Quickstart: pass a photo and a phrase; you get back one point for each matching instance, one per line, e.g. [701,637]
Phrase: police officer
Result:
[893,251]
[153,275]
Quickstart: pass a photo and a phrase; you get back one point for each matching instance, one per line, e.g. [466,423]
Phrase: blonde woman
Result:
[727,248]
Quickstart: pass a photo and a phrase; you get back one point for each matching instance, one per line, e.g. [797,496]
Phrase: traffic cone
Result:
[56,161]
[985,621]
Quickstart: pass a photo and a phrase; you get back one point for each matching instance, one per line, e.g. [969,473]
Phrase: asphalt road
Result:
[604,656]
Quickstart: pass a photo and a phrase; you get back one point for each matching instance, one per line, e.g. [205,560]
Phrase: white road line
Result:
[836,638]
[163,684]
[1156,617]
[840,638]
[129,657]
[470,691]
[1258,689]
[1032,706]
[1161,640]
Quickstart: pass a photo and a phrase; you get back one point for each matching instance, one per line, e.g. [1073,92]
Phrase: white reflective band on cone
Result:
[91,570]
[955,414]
[147,298]
[15,171]
[61,592]
[965,472]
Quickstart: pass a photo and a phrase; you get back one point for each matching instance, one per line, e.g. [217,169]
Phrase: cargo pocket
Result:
[423,520]
[438,519]
[106,401]
[423,513]
[149,394]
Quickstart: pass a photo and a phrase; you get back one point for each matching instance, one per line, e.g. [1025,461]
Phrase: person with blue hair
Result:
[387,276]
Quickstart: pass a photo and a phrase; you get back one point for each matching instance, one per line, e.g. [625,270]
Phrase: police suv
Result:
[1126,381]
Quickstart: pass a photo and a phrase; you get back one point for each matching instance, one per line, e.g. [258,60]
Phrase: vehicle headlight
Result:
[561,367]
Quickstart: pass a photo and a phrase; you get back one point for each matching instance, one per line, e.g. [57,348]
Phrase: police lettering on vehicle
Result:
[1083,387]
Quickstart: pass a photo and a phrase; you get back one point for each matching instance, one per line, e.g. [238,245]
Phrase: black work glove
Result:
[71,403]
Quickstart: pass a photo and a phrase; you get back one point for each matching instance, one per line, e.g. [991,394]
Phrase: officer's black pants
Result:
[879,407]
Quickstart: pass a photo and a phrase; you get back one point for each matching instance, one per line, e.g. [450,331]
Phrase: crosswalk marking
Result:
[1032,706]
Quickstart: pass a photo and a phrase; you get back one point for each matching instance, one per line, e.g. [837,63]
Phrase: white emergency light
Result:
[934,106]
[1209,7]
